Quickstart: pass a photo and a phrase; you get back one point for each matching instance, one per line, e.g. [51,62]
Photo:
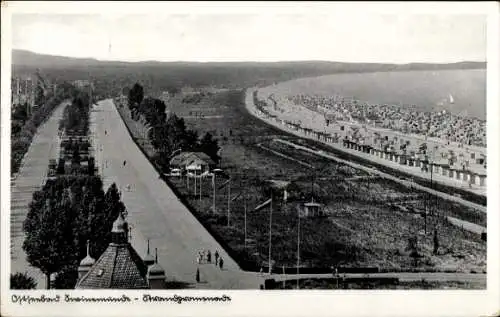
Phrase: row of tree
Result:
[68,211]
[23,136]
[168,134]
[71,208]
[76,115]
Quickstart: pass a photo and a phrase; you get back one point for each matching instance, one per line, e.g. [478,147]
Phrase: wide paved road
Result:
[30,177]
[155,213]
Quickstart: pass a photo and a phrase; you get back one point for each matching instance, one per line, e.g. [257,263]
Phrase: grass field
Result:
[367,221]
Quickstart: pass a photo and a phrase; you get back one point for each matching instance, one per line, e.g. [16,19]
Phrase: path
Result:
[478,278]
[30,178]
[154,212]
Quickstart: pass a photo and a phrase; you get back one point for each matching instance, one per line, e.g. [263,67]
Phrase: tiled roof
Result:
[186,158]
[119,267]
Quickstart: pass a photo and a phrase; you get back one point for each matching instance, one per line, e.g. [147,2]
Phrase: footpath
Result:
[30,178]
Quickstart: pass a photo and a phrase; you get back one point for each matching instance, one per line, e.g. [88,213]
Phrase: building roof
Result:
[187,158]
[119,267]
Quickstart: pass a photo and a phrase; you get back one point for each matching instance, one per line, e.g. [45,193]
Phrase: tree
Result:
[190,141]
[101,215]
[436,242]
[210,146]
[49,236]
[76,155]
[135,96]
[39,95]
[20,113]
[22,281]
[67,277]
[413,248]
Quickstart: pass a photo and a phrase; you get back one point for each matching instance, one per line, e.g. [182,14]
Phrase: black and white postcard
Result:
[243,159]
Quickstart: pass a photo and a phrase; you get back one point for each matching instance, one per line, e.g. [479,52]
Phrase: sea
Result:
[461,92]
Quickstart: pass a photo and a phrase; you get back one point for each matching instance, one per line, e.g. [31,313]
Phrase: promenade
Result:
[155,213]
[30,178]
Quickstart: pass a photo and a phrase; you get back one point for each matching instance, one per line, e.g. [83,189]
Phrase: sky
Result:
[378,38]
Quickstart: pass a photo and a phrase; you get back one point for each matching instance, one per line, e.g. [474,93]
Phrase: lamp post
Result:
[270,230]
[228,202]
[298,248]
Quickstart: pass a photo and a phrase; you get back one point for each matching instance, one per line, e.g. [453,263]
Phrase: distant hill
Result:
[158,76]
[27,58]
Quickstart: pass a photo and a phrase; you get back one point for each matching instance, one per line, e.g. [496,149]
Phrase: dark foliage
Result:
[68,211]
[22,281]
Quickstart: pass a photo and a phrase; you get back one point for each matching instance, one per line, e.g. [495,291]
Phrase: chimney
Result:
[156,275]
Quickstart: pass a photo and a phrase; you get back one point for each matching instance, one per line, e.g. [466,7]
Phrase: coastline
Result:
[252,109]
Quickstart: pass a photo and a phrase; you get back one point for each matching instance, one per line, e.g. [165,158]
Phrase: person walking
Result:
[197,275]
[221,263]
[209,257]
[216,257]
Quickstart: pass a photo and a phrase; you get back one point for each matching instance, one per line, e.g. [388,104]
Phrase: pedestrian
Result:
[336,272]
[209,257]
[197,275]
[221,263]
[216,257]
[124,163]
[105,132]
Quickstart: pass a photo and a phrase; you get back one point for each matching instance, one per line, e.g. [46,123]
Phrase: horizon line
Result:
[247,61]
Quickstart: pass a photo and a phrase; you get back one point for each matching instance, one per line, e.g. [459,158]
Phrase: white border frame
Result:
[272,303]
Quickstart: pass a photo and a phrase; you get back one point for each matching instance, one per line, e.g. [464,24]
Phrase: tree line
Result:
[76,115]
[71,208]
[64,214]
[24,127]
[168,133]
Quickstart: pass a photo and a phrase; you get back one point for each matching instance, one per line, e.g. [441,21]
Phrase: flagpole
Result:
[270,230]
[245,209]
[228,201]
[213,185]
[298,249]
[194,185]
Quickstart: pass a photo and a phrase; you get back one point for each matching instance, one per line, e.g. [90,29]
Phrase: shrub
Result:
[22,281]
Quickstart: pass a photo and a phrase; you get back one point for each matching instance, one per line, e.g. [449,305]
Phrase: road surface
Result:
[155,213]
[479,279]
[30,178]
